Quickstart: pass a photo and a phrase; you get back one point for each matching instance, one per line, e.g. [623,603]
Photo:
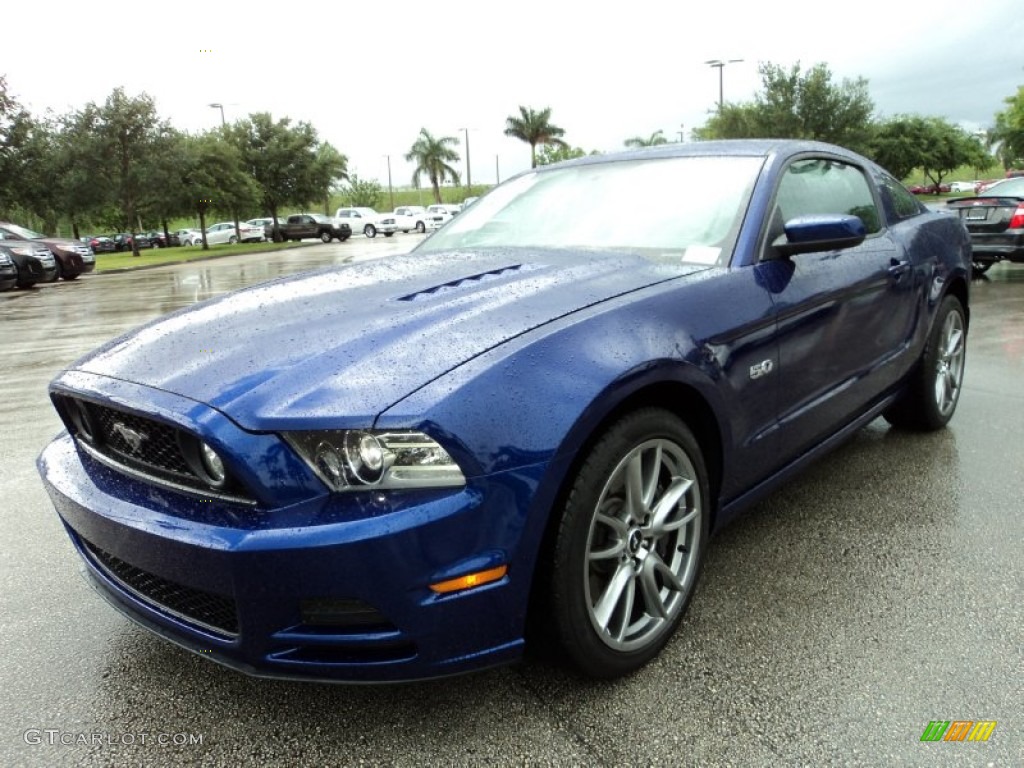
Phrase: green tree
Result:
[1006,137]
[124,134]
[549,154]
[655,139]
[211,176]
[433,158]
[534,127]
[949,146]
[365,193]
[798,105]
[900,144]
[15,128]
[331,168]
[285,160]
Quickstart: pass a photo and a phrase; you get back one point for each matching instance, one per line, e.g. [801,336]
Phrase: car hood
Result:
[335,348]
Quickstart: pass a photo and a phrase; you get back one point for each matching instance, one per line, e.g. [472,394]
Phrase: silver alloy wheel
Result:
[643,545]
[949,370]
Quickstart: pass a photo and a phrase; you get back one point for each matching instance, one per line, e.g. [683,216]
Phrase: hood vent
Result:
[462,282]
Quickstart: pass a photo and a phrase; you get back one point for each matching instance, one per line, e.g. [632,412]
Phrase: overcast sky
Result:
[369,75]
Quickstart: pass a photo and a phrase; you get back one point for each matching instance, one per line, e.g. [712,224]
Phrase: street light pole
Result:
[391,193]
[469,178]
[234,213]
[719,64]
[216,105]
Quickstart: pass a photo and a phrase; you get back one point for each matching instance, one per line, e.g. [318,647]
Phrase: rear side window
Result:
[822,186]
[904,204]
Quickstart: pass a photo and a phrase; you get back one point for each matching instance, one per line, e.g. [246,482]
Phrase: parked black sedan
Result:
[123,241]
[995,219]
[33,261]
[100,244]
[161,240]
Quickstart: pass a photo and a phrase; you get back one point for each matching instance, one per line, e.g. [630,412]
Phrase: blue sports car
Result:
[383,471]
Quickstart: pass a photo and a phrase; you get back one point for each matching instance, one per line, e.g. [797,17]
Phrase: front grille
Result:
[139,440]
[204,609]
[143,447]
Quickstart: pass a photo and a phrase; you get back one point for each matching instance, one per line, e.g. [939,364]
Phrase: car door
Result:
[844,315]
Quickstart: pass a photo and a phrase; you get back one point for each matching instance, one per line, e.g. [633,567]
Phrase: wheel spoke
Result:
[653,472]
[652,567]
[635,487]
[618,544]
[667,504]
[609,599]
[627,609]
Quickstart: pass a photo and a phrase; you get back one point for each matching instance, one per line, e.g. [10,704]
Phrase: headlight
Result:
[352,459]
[6,259]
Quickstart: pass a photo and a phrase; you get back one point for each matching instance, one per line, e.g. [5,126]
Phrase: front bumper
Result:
[340,595]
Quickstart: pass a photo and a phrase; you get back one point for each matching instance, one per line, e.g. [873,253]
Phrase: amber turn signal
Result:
[470,580]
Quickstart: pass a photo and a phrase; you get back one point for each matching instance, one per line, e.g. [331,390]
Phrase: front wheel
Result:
[370,231]
[232,240]
[931,396]
[629,544]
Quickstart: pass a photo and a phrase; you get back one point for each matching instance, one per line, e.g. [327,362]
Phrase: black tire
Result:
[325,237]
[619,586]
[930,399]
[981,267]
[388,234]
[370,231]
[421,227]
[73,276]
[232,240]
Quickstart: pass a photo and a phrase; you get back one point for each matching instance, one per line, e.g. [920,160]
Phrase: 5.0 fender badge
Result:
[761,369]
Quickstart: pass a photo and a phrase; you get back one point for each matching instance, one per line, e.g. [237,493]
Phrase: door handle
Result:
[898,267]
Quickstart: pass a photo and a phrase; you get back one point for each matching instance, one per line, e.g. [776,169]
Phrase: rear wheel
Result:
[325,237]
[934,389]
[388,234]
[629,545]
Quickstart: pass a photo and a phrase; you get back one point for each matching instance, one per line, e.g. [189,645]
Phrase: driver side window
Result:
[820,185]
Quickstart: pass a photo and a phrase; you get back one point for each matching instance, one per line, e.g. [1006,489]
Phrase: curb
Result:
[119,270]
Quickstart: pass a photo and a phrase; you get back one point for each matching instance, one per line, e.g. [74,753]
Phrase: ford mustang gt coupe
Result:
[537,418]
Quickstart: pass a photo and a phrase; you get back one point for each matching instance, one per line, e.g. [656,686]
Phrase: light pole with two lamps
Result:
[720,65]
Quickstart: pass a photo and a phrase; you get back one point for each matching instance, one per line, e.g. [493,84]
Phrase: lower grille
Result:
[204,609]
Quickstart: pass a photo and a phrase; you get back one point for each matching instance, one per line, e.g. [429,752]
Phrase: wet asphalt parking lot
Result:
[878,592]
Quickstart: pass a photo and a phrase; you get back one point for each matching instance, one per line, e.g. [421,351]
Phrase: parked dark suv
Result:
[73,258]
[35,262]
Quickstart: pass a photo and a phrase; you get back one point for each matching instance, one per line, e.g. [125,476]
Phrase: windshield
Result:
[685,208]
[28,234]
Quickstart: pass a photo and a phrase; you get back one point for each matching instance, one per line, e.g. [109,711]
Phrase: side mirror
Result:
[820,232]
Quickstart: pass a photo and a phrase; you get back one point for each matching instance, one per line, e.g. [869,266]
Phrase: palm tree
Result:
[534,128]
[433,157]
[653,140]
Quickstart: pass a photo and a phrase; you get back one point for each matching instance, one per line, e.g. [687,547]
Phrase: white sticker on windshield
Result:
[702,254]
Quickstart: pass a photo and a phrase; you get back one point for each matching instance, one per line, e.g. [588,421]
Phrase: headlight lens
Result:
[353,459]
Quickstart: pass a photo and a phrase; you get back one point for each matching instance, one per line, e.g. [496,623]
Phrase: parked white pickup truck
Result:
[405,218]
